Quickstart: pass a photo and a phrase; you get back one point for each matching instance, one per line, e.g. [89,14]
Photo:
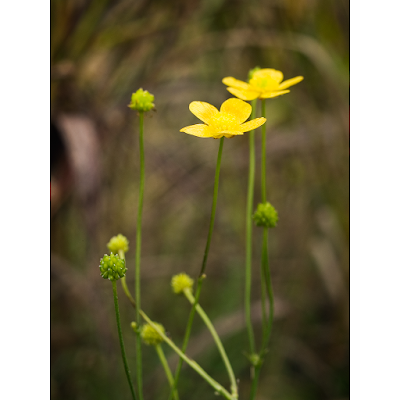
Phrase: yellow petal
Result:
[253,124]
[199,130]
[270,95]
[243,94]
[274,74]
[203,111]
[290,82]
[235,83]
[237,108]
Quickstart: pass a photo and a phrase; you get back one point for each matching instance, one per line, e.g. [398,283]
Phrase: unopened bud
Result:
[150,336]
[142,100]
[180,282]
[119,242]
[112,267]
[265,215]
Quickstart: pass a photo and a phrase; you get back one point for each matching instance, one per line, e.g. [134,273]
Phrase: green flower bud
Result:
[119,242]
[142,100]
[180,282]
[150,336]
[253,71]
[112,267]
[265,215]
[254,359]
[134,326]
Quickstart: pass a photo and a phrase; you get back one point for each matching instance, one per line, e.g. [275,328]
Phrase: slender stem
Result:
[127,292]
[137,265]
[267,327]
[183,357]
[214,206]
[167,370]
[121,340]
[263,294]
[187,332]
[121,254]
[254,383]
[265,255]
[268,283]
[204,263]
[263,155]
[220,389]
[249,227]
[217,340]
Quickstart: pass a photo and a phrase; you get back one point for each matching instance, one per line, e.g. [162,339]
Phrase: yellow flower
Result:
[264,84]
[226,122]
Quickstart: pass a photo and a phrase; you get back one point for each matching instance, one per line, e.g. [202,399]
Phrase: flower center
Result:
[264,83]
[223,122]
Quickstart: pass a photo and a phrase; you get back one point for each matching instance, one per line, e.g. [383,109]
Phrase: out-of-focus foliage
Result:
[102,52]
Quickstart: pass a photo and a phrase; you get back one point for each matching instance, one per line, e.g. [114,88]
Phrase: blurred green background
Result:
[101,52]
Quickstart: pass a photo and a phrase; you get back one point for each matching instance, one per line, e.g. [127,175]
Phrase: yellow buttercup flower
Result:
[264,84]
[227,122]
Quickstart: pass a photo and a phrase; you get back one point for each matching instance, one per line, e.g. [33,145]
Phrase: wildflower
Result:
[180,282]
[227,122]
[112,267]
[265,215]
[142,100]
[119,242]
[150,336]
[263,84]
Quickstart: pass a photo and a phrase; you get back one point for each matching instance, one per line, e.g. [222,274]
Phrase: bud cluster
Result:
[255,359]
[142,100]
[150,336]
[265,215]
[180,282]
[119,242]
[112,267]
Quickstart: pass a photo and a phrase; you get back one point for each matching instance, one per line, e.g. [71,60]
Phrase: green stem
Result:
[265,255]
[127,292]
[167,370]
[249,227]
[254,382]
[187,333]
[183,357]
[121,254]
[214,206]
[121,341]
[217,340]
[267,327]
[204,263]
[137,265]
[263,155]
[263,294]
[268,283]
[220,389]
